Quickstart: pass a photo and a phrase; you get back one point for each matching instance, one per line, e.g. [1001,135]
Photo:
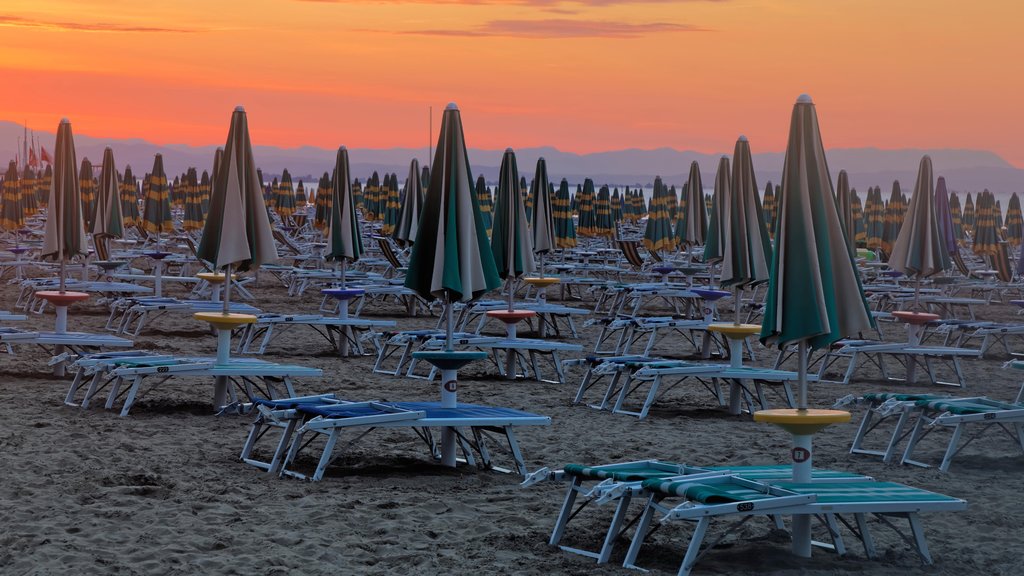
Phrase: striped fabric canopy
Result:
[129,199]
[483,196]
[344,240]
[565,228]
[844,203]
[87,187]
[893,218]
[65,228]
[692,224]
[714,242]
[658,231]
[944,216]
[956,214]
[412,204]
[156,214]
[986,237]
[1014,221]
[107,221]
[769,208]
[604,227]
[511,240]
[586,204]
[747,248]
[919,250]
[12,215]
[542,224]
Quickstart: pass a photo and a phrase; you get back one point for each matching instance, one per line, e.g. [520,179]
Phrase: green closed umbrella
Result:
[875,218]
[392,205]
[1014,221]
[747,248]
[43,186]
[511,241]
[658,230]
[543,223]
[344,241]
[194,215]
[919,250]
[588,211]
[969,214]
[844,203]
[65,226]
[618,207]
[205,186]
[300,195]
[156,213]
[107,222]
[715,240]
[814,293]
[893,218]
[284,197]
[565,227]
[997,211]
[412,204]
[483,197]
[956,214]
[322,204]
[27,189]
[986,237]
[692,224]
[87,187]
[604,226]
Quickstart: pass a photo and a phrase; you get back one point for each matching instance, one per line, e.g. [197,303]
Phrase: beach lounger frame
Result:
[971,416]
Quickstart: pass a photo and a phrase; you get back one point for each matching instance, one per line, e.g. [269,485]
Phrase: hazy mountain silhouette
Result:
[964,170]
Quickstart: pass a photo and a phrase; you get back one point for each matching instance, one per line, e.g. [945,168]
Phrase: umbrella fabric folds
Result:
[157,210]
[344,241]
[997,212]
[618,207]
[392,205]
[524,192]
[300,195]
[1014,221]
[919,250]
[603,225]
[194,213]
[43,186]
[658,231]
[511,240]
[714,243]
[412,203]
[129,199]
[944,216]
[107,221]
[875,218]
[358,195]
[483,196]
[814,294]
[747,248]
[968,217]
[586,201]
[956,214]
[237,231]
[322,204]
[451,258]
[985,235]
[692,224]
[27,191]
[87,188]
[769,208]
[204,192]
[284,196]
[543,224]
[561,216]
[12,215]
[844,203]
[65,230]
[860,235]
[893,218]
[371,194]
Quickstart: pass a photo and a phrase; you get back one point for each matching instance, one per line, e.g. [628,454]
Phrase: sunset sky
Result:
[579,76]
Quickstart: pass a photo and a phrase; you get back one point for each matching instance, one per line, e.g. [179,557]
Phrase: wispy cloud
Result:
[557,28]
[58,26]
[536,3]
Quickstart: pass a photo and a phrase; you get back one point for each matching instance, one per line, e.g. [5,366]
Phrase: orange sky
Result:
[580,76]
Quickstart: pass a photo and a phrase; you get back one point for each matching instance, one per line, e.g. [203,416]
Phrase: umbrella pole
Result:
[62,265]
[802,376]
[344,265]
[511,279]
[448,322]
[220,383]
[736,304]
[227,288]
[802,468]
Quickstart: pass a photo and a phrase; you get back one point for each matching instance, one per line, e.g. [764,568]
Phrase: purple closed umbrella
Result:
[944,216]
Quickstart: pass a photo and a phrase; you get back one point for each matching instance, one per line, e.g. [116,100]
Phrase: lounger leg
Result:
[250,440]
[282,446]
[837,537]
[642,529]
[865,535]
[325,458]
[513,446]
[890,450]
[130,399]
[115,389]
[566,512]
[693,550]
[613,530]
[918,532]
[951,449]
[915,435]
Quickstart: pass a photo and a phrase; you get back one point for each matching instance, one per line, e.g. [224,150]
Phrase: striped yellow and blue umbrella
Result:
[603,224]
[658,231]
[483,198]
[205,186]
[986,237]
[561,216]
[860,231]
[524,190]
[1014,221]
[893,218]
[392,207]
[43,186]
[370,195]
[844,203]
[969,215]
[176,192]
[156,214]
[237,231]
[412,204]
[129,199]
[107,221]
[511,241]
[87,188]
[956,214]
[919,250]
[944,216]
[997,211]
[284,196]
[322,203]
[451,258]
[27,188]
[358,194]
[344,240]
[747,248]
[714,242]
[874,218]
[300,195]
[673,203]
[586,201]
[618,207]
[639,207]
[769,208]
[692,225]
[12,215]
[194,214]
[65,227]
[542,226]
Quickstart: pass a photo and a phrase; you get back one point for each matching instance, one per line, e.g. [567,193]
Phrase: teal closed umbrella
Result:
[344,241]
[715,240]
[511,241]
[107,223]
[692,224]
[844,203]
[747,248]
[543,224]
[412,204]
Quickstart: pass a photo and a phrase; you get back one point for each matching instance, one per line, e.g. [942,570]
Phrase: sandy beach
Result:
[163,491]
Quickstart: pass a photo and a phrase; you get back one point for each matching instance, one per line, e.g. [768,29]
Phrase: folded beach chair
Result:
[883,407]
[975,416]
[736,499]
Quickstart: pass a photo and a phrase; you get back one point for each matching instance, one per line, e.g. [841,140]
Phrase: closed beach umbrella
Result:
[603,225]
[769,208]
[300,195]
[107,222]
[618,207]
[969,215]
[87,187]
[204,192]
[483,196]
[65,227]
[586,201]
[565,227]
[860,235]
[12,216]
[658,231]
[919,250]
[344,241]
[412,204]
[956,213]
[194,214]
[237,231]
[875,218]
[511,241]
[844,203]
[284,199]
[451,258]
[43,188]
[1014,221]
[543,224]
[129,199]
[692,224]
[997,212]
[157,210]
[985,235]
[714,243]
[322,210]
[392,206]
[747,248]
[893,218]
[27,190]
[944,216]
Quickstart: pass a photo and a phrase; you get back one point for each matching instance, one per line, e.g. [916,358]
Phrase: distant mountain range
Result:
[965,170]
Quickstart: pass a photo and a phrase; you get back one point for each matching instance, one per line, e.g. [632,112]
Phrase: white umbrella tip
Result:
[804,99]
[742,138]
[452,106]
[509,151]
[343,149]
[239,108]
